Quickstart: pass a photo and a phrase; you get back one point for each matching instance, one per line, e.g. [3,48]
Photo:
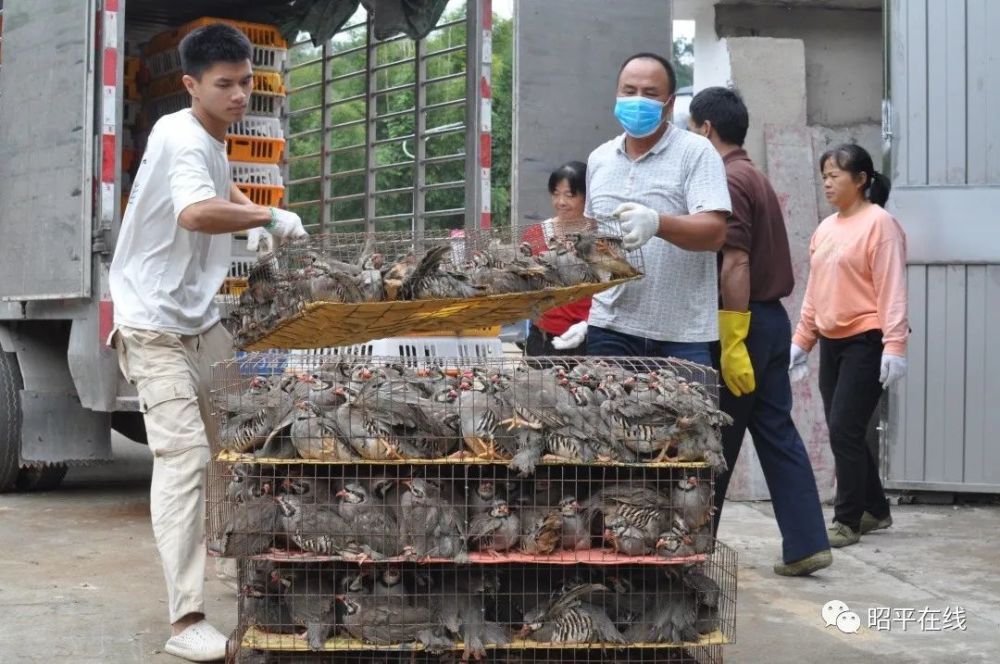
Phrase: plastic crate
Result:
[129,157]
[263,194]
[413,351]
[264,58]
[132,68]
[258,126]
[249,173]
[262,103]
[268,82]
[255,150]
[167,105]
[131,90]
[258,33]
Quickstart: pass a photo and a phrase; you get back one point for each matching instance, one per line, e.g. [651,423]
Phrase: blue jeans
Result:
[767,413]
[602,341]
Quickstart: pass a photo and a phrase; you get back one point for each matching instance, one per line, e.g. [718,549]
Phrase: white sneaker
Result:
[198,643]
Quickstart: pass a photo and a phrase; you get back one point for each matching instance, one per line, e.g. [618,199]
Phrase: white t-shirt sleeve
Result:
[189,177]
[706,188]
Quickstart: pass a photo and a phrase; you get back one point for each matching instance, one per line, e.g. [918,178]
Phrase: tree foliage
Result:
[380,96]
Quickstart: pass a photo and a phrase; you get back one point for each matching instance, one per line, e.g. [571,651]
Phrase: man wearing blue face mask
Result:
[668,189]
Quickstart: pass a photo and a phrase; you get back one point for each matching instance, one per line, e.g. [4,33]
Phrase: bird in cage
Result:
[674,543]
[315,435]
[463,613]
[262,601]
[691,500]
[604,255]
[568,618]
[542,530]
[371,529]
[671,618]
[432,526]
[250,528]
[385,620]
[496,530]
[638,505]
[575,532]
[314,528]
[626,538]
[310,597]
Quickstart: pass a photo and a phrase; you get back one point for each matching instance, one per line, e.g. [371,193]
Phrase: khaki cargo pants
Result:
[172,374]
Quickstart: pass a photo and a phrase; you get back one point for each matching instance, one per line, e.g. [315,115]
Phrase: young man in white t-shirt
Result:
[172,256]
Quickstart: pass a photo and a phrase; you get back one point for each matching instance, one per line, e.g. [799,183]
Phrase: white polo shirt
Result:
[682,174]
[163,277]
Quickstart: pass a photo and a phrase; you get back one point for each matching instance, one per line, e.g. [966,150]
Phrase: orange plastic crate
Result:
[129,155]
[254,149]
[266,82]
[263,194]
[258,33]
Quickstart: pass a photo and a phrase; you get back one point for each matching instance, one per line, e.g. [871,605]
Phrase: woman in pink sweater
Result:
[855,306]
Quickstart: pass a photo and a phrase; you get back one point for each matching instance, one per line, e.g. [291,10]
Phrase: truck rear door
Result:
[46,148]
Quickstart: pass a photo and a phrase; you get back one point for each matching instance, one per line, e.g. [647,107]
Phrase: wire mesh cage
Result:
[484,514]
[519,412]
[536,613]
[344,288]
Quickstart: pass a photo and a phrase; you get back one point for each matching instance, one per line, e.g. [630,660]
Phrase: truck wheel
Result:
[40,478]
[10,421]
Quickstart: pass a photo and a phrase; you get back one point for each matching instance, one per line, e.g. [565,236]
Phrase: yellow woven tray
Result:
[325,324]
[256,639]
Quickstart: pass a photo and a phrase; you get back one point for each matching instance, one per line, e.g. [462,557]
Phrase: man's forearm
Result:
[705,231]
[734,280]
[217,216]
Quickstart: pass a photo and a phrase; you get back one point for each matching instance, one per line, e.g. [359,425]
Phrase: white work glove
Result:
[639,224]
[893,368]
[798,368]
[259,240]
[285,224]
[572,337]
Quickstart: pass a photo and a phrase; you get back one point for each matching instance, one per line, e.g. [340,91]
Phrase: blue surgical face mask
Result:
[639,116]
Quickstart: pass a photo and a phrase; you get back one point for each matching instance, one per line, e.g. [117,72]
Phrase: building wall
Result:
[843,55]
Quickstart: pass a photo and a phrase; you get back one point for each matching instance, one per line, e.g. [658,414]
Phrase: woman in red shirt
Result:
[561,330]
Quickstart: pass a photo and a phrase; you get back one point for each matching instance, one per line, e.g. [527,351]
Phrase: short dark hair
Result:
[659,58]
[218,42]
[856,160]
[724,108]
[575,174]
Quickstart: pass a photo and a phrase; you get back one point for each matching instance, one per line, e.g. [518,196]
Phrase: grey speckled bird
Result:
[432,527]
[373,530]
[384,620]
[315,528]
[575,527]
[692,502]
[310,595]
[569,619]
[497,530]
[250,529]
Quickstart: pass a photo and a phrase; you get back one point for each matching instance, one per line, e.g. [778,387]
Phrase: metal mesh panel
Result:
[536,613]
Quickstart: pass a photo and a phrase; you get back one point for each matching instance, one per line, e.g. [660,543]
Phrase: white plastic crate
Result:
[265,58]
[262,103]
[257,126]
[247,173]
[412,351]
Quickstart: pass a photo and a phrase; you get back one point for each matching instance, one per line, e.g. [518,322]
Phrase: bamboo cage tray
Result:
[255,639]
[327,324]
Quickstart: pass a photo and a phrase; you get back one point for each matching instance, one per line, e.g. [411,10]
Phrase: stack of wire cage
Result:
[254,145]
[491,509]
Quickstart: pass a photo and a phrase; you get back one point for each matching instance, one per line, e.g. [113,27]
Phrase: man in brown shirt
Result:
[754,338]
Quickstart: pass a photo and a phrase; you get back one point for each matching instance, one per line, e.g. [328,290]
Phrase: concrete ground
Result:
[80,580]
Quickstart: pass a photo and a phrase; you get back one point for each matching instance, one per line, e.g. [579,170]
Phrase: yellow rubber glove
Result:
[737,371]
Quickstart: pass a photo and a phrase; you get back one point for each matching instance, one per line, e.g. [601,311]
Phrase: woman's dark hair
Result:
[855,160]
[575,174]
[724,108]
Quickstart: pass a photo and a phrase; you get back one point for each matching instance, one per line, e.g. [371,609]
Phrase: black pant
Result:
[767,413]
[539,342]
[848,380]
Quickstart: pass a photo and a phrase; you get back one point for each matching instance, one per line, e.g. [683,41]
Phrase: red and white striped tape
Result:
[107,27]
[486,112]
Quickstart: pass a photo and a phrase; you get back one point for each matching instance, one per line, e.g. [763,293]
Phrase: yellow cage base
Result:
[326,324]
[256,639]
[229,456]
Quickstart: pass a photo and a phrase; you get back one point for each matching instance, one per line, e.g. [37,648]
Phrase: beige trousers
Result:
[172,374]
